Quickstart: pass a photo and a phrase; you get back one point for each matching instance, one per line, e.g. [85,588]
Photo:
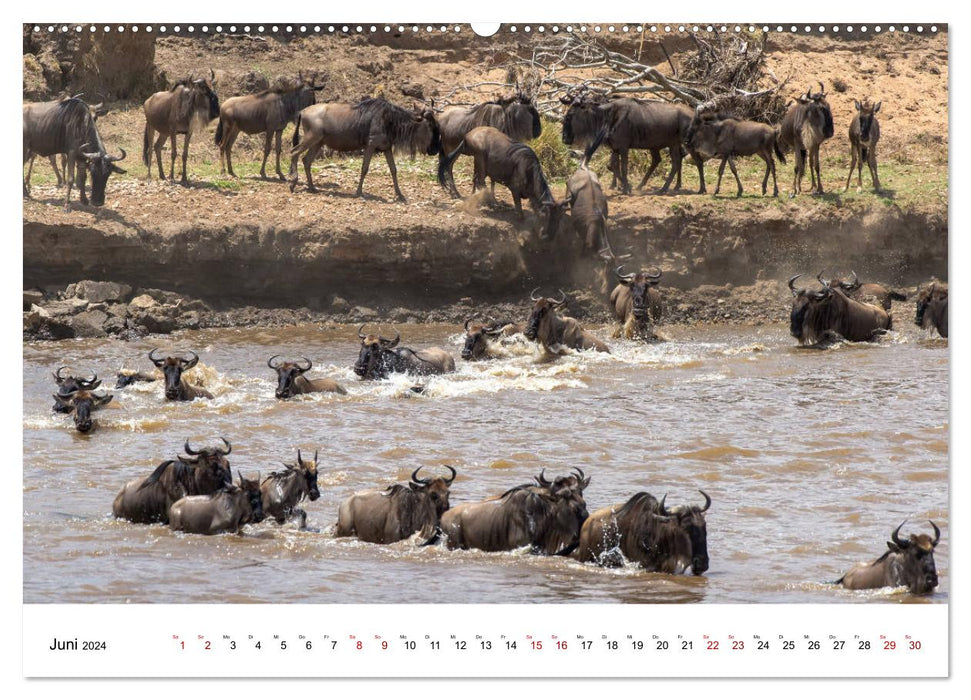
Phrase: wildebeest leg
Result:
[227,148]
[57,172]
[852,166]
[799,169]
[675,153]
[872,162]
[613,166]
[82,174]
[624,185]
[731,164]
[172,145]
[365,164]
[389,156]
[655,161]
[159,142]
[267,145]
[69,177]
[279,147]
[185,156]
[700,164]
[308,160]
[721,171]
[28,156]
[518,203]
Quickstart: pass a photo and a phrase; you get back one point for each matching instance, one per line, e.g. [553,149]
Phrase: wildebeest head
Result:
[306,91]
[172,369]
[816,111]
[80,403]
[69,383]
[251,487]
[550,214]
[477,337]
[437,489]
[374,362]
[309,470]
[544,309]
[212,459]
[582,120]
[865,113]
[566,495]
[523,117]
[639,284]
[933,293]
[691,521]
[802,300]
[847,286]
[100,165]
[426,134]
[917,559]
[205,95]
[286,374]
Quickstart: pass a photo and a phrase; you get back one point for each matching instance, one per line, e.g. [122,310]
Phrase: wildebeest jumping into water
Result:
[818,314]
[509,163]
[186,108]
[637,303]
[870,292]
[864,135]
[908,562]
[68,127]
[555,332]
[545,516]
[480,338]
[148,498]
[282,491]
[397,512]
[81,403]
[588,211]
[226,510]
[267,112]
[373,124]
[932,308]
[380,357]
[290,379]
[176,387]
[647,533]
[804,127]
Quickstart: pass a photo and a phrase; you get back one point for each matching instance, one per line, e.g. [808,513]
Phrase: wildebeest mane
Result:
[398,123]
[637,503]
[180,472]
[820,318]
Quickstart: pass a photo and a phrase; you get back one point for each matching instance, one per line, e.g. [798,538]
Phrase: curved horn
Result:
[360,334]
[707,500]
[579,473]
[532,295]
[822,89]
[856,280]
[414,477]
[467,322]
[114,159]
[315,456]
[188,450]
[212,76]
[189,364]
[896,539]
[657,276]
[791,280]
[454,474]
[937,533]
[299,458]
[229,448]
[629,276]
[823,282]
[562,299]
[661,509]
[309,365]
[269,363]
[57,374]
[155,360]
[391,343]
[542,480]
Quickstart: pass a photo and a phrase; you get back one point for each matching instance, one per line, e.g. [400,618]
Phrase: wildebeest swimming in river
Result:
[67,384]
[816,315]
[176,387]
[481,338]
[509,163]
[397,512]
[127,377]
[554,332]
[267,112]
[283,490]
[804,127]
[645,532]
[546,516]
[148,498]
[81,403]
[373,124]
[226,510]
[186,108]
[380,357]
[908,562]
[68,127]
[932,308]
[290,379]
[870,292]
[637,303]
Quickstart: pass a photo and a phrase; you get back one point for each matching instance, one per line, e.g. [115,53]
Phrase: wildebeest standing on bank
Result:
[509,163]
[870,292]
[282,491]
[932,308]
[290,379]
[373,124]
[545,516]
[647,533]
[721,136]
[637,303]
[176,387]
[908,562]
[480,337]
[815,314]
[630,123]
[805,126]
[81,403]
[864,134]
[267,112]
[397,512]
[98,110]
[68,127]
[556,332]
[148,498]
[226,510]
[380,357]
[188,107]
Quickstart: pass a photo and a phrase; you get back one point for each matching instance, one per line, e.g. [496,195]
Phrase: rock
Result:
[400,314]
[413,90]
[339,305]
[115,325]
[155,319]
[189,320]
[119,310]
[102,291]
[32,297]
[66,307]
[141,302]
[363,312]
[163,296]
[89,324]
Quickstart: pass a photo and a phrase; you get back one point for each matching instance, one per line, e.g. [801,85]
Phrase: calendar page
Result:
[561,349]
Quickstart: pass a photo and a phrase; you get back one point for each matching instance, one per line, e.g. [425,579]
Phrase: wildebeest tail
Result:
[863,153]
[445,178]
[296,133]
[219,131]
[778,150]
[147,148]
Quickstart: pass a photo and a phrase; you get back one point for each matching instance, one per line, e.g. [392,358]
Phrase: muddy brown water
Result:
[811,458]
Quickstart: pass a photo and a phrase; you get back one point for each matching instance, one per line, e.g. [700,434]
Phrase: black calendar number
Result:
[232,645]
[686,645]
[638,645]
[258,645]
[813,645]
[460,645]
[410,646]
[510,645]
[309,645]
[485,644]
[662,645]
[864,645]
[585,644]
[612,646]
[788,645]
[283,644]
[838,645]
[435,645]
[762,645]
[94,646]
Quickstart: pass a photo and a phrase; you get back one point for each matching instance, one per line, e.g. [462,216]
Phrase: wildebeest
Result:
[557,332]
[373,124]
[380,357]
[98,110]
[864,134]
[908,562]
[226,510]
[629,123]
[932,308]
[480,338]
[80,403]
[509,163]
[68,127]
[127,377]
[806,124]
[267,112]
[816,314]
[283,490]
[397,512]
[68,384]
[645,532]
[588,211]
[637,303]
[545,516]
[176,387]
[148,498]
[722,136]
[870,292]
[186,108]
[290,379]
